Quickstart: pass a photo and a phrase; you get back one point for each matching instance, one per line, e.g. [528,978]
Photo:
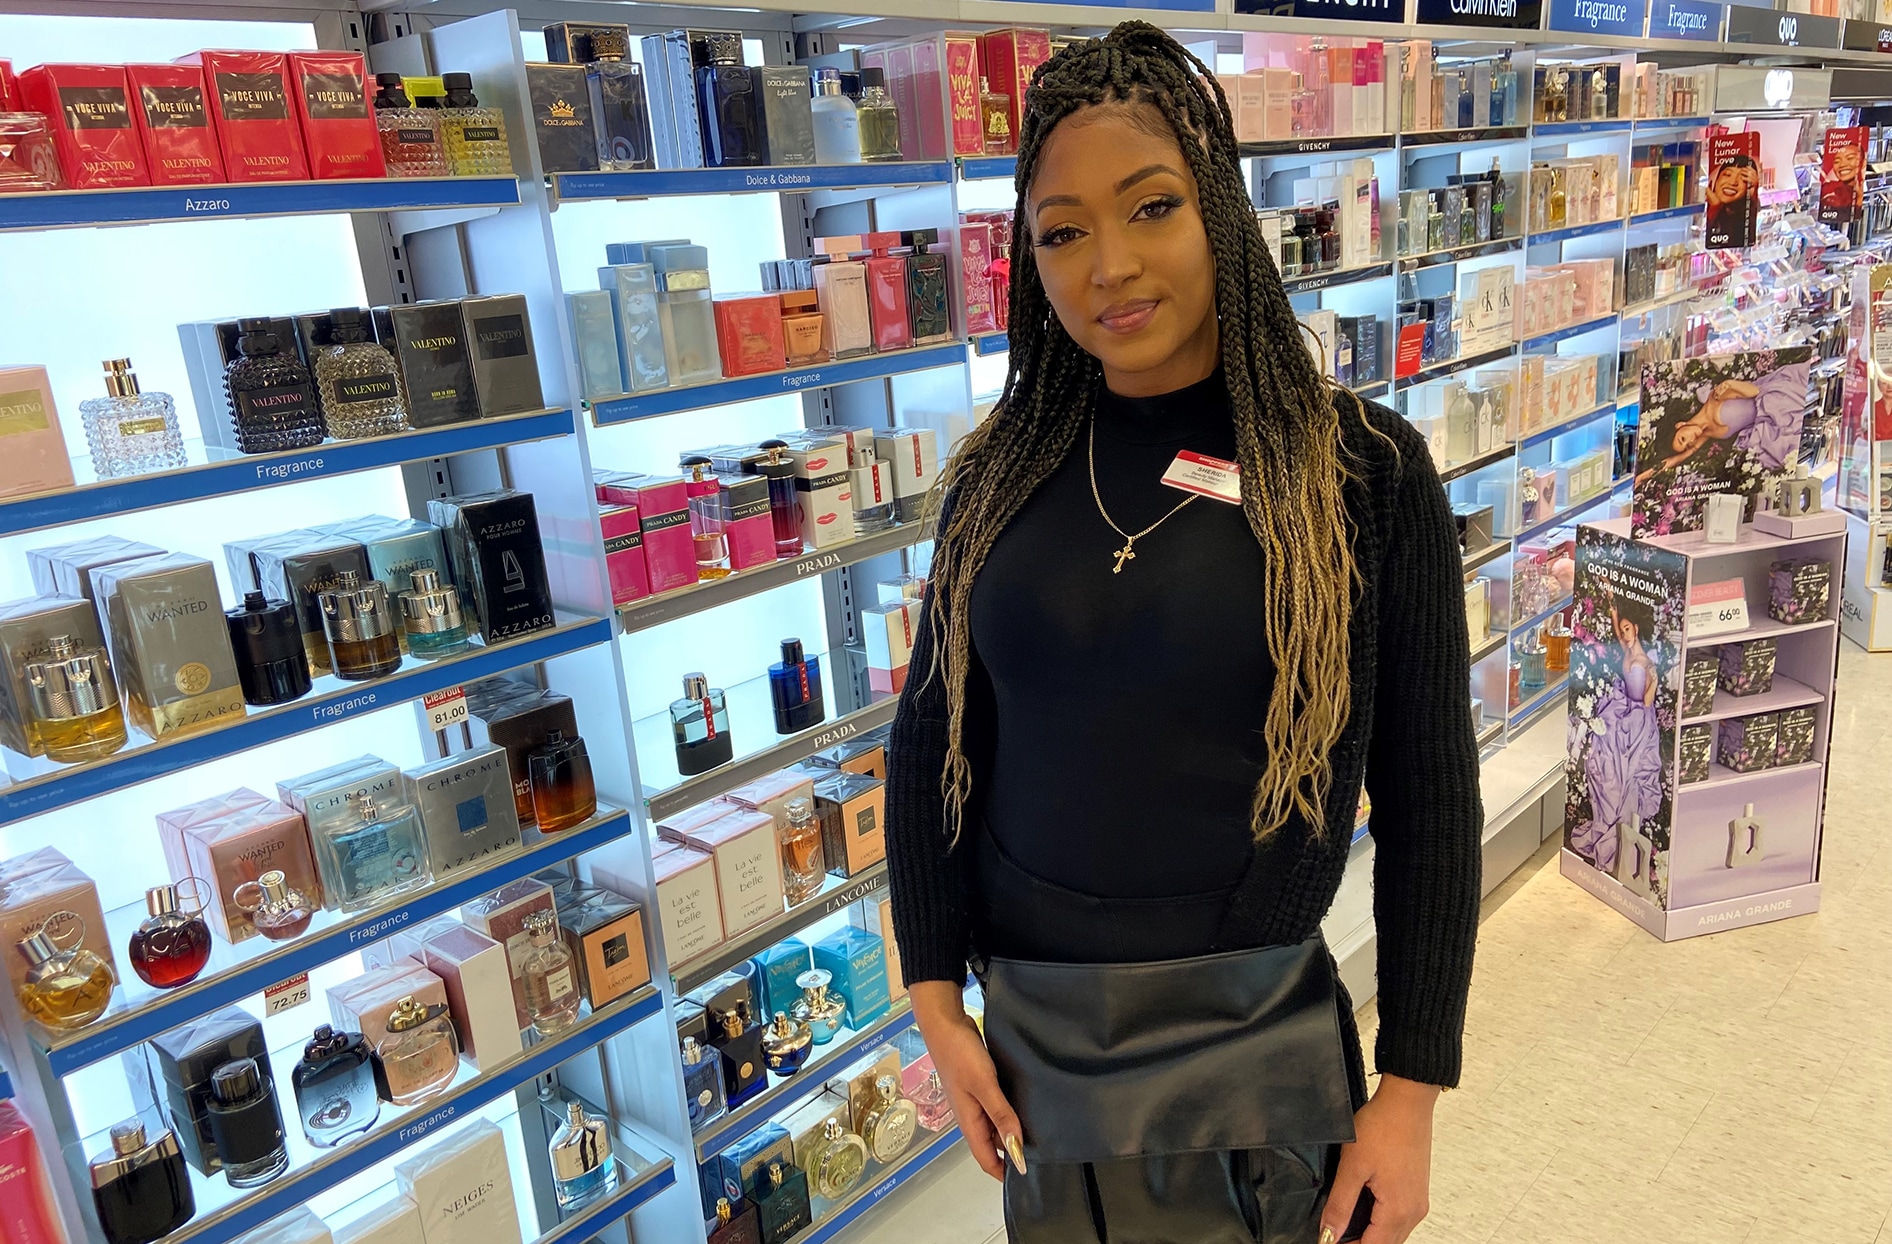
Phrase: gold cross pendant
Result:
[1123,555]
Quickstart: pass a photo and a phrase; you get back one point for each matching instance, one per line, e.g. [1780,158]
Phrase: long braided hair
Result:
[1286,428]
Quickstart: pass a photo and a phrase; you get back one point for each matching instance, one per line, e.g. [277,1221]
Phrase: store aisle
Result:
[1733,1089]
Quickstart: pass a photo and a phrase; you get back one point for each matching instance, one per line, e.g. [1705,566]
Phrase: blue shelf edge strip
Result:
[748,388]
[1555,128]
[1666,213]
[984,168]
[1539,701]
[1565,334]
[639,1193]
[143,492]
[1571,234]
[1551,433]
[168,1011]
[877,1192]
[1672,123]
[987,344]
[789,179]
[352,1160]
[147,204]
[142,764]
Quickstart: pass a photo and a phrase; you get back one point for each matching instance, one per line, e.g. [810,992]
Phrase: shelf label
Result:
[1698,20]
[198,207]
[445,708]
[1717,608]
[828,738]
[1867,36]
[290,993]
[847,896]
[339,709]
[291,468]
[380,928]
[1332,10]
[802,380]
[1753,25]
[816,564]
[420,1127]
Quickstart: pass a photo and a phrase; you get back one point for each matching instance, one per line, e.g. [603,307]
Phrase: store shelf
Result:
[1541,616]
[1438,371]
[1551,237]
[1492,644]
[1550,695]
[1358,143]
[333,701]
[136,205]
[1653,124]
[1561,517]
[1474,250]
[987,344]
[1341,276]
[786,1092]
[1367,392]
[1720,775]
[1476,136]
[1558,429]
[632,406]
[1569,331]
[1559,129]
[1490,733]
[1785,693]
[837,893]
[874,1191]
[1638,309]
[1666,213]
[634,1190]
[1759,628]
[987,168]
[795,179]
[1485,556]
[239,971]
[667,606]
[229,474]
[1479,463]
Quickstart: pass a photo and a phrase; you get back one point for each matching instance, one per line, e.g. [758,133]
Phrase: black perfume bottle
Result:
[928,307]
[266,637]
[246,1125]
[795,689]
[740,1040]
[272,396]
[726,103]
[141,1188]
[781,1202]
[335,1090]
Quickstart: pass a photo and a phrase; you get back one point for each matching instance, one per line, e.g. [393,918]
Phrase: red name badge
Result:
[1206,477]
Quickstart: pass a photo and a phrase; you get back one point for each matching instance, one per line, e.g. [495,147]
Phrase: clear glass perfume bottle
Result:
[410,136]
[726,103]
[272,396]
[699,725]
[995,115]
[871,482]
[279,912]
[889,1127]
[474,136]
[64,988]
[141,1188]
[687,316]
[1599,95]
[823,1010]
[551,980]
[172,946]
[879,119]
[432,617]
[381,854]
[581,1159]
[416,1061]
[335,1087]
[836,1161]
[620,110]
[77,715]
[1556,204]
[246,1125]
[934,1111]
[707,533]
[130,432]
[804,867]
[702,1082]
[837,123]
[358,379]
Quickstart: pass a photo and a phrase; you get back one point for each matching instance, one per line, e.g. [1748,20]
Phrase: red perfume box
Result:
[89,107]
[255,120]
[663,512]
[749,334]
[1009,56]
[624,555]
[9,88]
[173,114]
[336,115]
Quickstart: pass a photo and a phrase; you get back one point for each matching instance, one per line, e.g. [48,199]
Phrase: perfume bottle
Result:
[620,110]
[416,1061]
[795,689]
[781,1203]
[130,432]
[707,533]
[699,724]
[887,293]
[245,1124]
[360,628]
[551,980]
[1557,94]
[995,114]
[847,327]
[358,380]
[871,482]
[931,1106]
[1531,674]
[1556,642]
[837,123]
[836,1161]
[879,118]
[999,271]
[784,506]
[474,136]
[410,136]
[1499,200]
[801,327]
[76,712]
[272,396]
[278,912]
[785,1045]
[172,946]
[63,989]
[1746,839]
[562,791]
[141,1189]
[1556,204]
[382,854]
[686,316]
[740,1042]
[803,866]
[726,103]
[729,1227]
[928,306]
[432,617]
[1599,95]
[335,1087]
[822,1010]
[266,638]
[702,1082]
[889,1127]
[581,1158]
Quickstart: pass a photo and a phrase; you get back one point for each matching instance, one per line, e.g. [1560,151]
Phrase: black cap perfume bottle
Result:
[140,1186]
[266,637]
[246,1125]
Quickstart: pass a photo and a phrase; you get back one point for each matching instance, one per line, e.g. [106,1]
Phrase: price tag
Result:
[1717,608]
[292,992]
[445,708]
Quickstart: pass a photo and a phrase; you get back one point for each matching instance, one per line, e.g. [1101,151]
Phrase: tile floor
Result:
[1730,1089]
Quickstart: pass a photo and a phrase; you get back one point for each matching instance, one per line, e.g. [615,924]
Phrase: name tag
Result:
[1206,477]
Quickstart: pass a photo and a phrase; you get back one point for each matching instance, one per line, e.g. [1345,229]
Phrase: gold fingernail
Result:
[1327,1235]
[1016,1148]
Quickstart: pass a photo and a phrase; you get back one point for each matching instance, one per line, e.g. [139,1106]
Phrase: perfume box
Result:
[889,635]
[501,916]
[498,561]
[66,569]
[393,1221]
[663,514]
[172,111]
[518,718]
[605,932]
[181,1061]
[560,101]
[806,1124]
[595,341]
[299,571]
[505,370]
[1700,675]
[748,524]
[336,117]
[1746,744]
[822,487]
[857,755]
[365,1003]
[239,556]
[27,629]
[1695,747]
[688,907]
[853,811]
[858,1079]
[477,977]
[748,867]
[784,106]
[296,1226]
[428,340]
[1800,590]
[776,969]
[749,334]
[770,793]
[396,548]
[462,1187]
[173,825]
[1748,668]
[1794,744]
[736,1172]
[254,118]
[89,109]
[169,645]
[65,902]
[239,837]
[875,915]
[1009,56]
[974,254]
[324,796]
[859,964]
[466,809]
[946,85]
[624,554]
[32,447]
[914,453]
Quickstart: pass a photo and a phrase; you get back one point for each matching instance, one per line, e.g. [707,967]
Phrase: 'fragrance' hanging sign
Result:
[1606,17]
[1696,20]
[1510,14]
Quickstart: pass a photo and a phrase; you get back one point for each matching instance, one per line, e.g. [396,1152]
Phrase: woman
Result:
[1733,201]
[1622,765]
[1762,418]
[1125,768]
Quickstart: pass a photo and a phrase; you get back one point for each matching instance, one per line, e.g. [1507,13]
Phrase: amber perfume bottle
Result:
[172,946]
[76,712]
[562,791]
[803,866]
[707,532]
[995,112]
[362,642]
[64,988]
[279,912]
[141,1188]
[410,136]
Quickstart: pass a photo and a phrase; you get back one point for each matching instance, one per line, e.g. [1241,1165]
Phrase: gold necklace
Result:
[1127,553]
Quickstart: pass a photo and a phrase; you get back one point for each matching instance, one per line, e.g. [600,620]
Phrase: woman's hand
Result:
[1391,1154]
[985,1118]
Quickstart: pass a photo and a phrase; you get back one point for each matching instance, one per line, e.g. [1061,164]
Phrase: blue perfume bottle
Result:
[702,1082]
[795,689]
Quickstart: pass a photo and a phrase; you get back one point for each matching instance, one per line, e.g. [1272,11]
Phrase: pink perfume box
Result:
[32,448]
[748,867]
[502,916]
[663,510]
[64,901]
[363,1004]
[477,976]
[975,262]
[233,843]
[771,794]
[173,825]
[43,860]
[28,1214]
[624,554]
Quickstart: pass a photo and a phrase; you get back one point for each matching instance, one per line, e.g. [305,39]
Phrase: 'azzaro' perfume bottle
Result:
[821,1009]
[785,1044]
[563,792]
[581,1159]
[551,980]
[64,988]
[279,912]
[879,119]
[75,705]
[272,396]
[707,533]
[836,1161]
[702,1082]
[141,1188]
[620,110]
[803,865]
[246,1125]
[172,946]
[360,628]
[781,1203]
[474,136]
[266,637]
[417,1060]
[378,855]
[795,689]
[889,1127]
[740,1040]
[410,136]
[726,103]
[432,617]
[130,432]
[335,1090]
[699,724]
[837,123]
[929,306]
[358,380]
